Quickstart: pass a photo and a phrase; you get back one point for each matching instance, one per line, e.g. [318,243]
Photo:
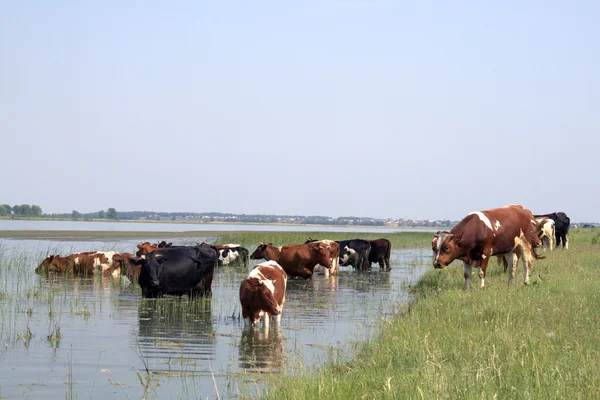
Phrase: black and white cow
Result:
[232,254]
[561,227]
[354,252]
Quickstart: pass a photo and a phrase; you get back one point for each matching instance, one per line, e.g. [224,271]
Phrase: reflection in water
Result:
[261,349]
[176,336]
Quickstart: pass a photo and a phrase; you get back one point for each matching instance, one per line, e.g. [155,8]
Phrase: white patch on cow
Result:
[230,245]
[483,219]
[497,225]
[76,260]
[232,255]
[440,242]
[483,256]
[255,273]
[104,266]
[116,273]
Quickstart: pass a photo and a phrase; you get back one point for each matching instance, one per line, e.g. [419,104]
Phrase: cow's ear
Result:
[270,244]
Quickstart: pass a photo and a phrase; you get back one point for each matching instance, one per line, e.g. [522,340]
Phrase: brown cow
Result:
[483,234]
[145,248]
[122,265]
[90,262]
[335,258]
[380,252]
[296,259]
[262,293]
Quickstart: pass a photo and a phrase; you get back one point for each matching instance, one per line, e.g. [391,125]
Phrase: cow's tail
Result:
[388,251]
[535,254]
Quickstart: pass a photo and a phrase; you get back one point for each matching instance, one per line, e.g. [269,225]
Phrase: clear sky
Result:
[413,109]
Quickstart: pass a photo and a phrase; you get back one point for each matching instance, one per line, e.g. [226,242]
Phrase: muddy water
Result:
[89,337]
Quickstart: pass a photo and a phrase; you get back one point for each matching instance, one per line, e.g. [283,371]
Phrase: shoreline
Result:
[217,223]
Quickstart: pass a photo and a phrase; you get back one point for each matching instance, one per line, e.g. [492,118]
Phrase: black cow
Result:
[164,244]
[561,227]
[177,271]
[380,253]
[354,252]
[233,255]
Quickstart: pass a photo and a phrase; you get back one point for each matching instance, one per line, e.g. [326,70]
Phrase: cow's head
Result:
[446,248]
[310,240]
[260,252]
[45,264]
[322,254]
[151,267]
[163,244]
[265,297]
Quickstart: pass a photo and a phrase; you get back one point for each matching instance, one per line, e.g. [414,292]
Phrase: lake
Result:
[92,337]
[16,225]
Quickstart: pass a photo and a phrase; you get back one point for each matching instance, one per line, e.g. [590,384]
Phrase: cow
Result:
[145,248]
[163,244]
[561,227]
[335,257]
[262,293]
[89,262]
[380,253]
[122,262]
[177,271]
[353,252]
[232,254]
[481,234]
[547,232]
[296,259]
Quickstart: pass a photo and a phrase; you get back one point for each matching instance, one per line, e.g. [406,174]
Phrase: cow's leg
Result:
[468,271]
[566,242]
[558,241]
[380,261]
[266,317]
[483,267]
[510,261]
[387,264]
[525,250]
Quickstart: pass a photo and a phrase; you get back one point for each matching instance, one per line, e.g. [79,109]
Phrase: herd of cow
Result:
[510,233]
[164,269]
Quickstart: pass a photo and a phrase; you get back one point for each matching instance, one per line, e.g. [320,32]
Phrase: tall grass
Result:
[537,341]
[252,239]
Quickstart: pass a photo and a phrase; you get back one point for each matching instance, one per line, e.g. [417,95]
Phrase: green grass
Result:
[252,239]
[539,341]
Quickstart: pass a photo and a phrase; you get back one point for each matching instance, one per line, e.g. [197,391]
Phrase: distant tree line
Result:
[23,210]
[111,214]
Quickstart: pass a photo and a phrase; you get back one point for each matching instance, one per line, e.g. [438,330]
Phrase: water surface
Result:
[90,337]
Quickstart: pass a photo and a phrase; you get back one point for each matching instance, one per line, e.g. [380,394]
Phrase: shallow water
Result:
[89,337]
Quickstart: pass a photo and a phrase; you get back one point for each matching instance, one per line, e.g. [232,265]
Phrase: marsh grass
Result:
[537,341]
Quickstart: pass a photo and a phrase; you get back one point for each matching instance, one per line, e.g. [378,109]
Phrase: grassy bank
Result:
[536,341]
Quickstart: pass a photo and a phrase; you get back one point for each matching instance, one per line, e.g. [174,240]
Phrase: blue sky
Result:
[414,109]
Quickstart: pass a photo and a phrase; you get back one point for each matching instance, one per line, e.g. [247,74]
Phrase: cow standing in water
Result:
[262,293]
[482,234]
[296,259]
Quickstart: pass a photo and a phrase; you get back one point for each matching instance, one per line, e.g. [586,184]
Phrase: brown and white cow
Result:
[262,293]
[482,234]
[296,259]
[334,250]
[144,248]
[547,232]
[90,262]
